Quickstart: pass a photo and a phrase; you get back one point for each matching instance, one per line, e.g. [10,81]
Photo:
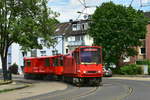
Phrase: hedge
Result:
[143,62]
[132,69]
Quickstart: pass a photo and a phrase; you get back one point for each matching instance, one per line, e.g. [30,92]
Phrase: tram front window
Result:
[90,56]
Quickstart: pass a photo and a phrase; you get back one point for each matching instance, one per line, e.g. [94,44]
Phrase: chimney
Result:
[71,20]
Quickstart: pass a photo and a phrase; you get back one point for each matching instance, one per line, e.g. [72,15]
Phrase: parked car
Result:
[107,72]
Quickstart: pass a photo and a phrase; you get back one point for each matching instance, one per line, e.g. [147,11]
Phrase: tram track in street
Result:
[88,93]
[128,91]
[74,94]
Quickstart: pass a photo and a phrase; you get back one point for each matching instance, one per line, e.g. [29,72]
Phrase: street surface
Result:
[112,89]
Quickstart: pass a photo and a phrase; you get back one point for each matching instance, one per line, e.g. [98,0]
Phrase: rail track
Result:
[84,94]
[74,94]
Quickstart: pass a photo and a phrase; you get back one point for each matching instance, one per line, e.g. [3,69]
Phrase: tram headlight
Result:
[78,71]
[99,71]
[84,72]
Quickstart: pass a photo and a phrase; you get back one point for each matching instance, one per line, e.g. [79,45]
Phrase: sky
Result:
[68,8]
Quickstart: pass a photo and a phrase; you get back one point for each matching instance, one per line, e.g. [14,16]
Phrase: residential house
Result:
[75,34]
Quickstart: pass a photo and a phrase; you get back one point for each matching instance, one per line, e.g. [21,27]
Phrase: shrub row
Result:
[143,62]
[132,69]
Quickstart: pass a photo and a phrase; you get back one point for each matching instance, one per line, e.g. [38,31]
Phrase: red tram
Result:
[83,65]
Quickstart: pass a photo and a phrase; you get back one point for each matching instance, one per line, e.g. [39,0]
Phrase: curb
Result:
[25,85]
[143,76]
[6,82]
[17,88]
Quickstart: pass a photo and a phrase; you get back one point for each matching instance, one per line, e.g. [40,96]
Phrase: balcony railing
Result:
[76,43]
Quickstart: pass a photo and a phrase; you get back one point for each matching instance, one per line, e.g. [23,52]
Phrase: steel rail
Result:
[84,94]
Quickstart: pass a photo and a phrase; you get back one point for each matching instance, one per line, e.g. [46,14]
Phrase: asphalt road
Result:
[112,89]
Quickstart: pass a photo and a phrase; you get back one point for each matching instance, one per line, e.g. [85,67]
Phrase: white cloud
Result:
[68,8]
[74,3]
[145,1]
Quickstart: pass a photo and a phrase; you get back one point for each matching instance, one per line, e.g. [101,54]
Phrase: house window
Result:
[42,41]
[71,38]
[142,50]
[43,53]
[24,54]
[66,50]
[81,37]
[76,27]
[78,38]
[85,26]
[54,52]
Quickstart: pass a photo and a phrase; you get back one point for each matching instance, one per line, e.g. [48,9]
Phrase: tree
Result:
[23,22]
[118,29]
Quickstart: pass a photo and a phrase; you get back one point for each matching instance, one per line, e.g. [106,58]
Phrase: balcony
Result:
[76,43]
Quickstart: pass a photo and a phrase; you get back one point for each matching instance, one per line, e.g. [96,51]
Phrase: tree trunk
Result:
[4,68]
[4,64]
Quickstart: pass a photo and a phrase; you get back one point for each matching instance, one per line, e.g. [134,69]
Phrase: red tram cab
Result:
[84,64]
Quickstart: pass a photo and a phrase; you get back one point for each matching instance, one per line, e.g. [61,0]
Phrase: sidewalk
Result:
[132,77]
[33,90]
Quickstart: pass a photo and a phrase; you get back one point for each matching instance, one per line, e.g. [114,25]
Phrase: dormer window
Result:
[85,26]
[76,27]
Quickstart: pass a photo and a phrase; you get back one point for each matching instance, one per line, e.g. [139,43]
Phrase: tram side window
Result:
[55,62]
[47,62]
[61,61]
[76,56]
[28,63]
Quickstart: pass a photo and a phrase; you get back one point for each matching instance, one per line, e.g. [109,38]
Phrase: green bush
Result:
[115,70]
[132,69]
[14,68]
[143,62]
